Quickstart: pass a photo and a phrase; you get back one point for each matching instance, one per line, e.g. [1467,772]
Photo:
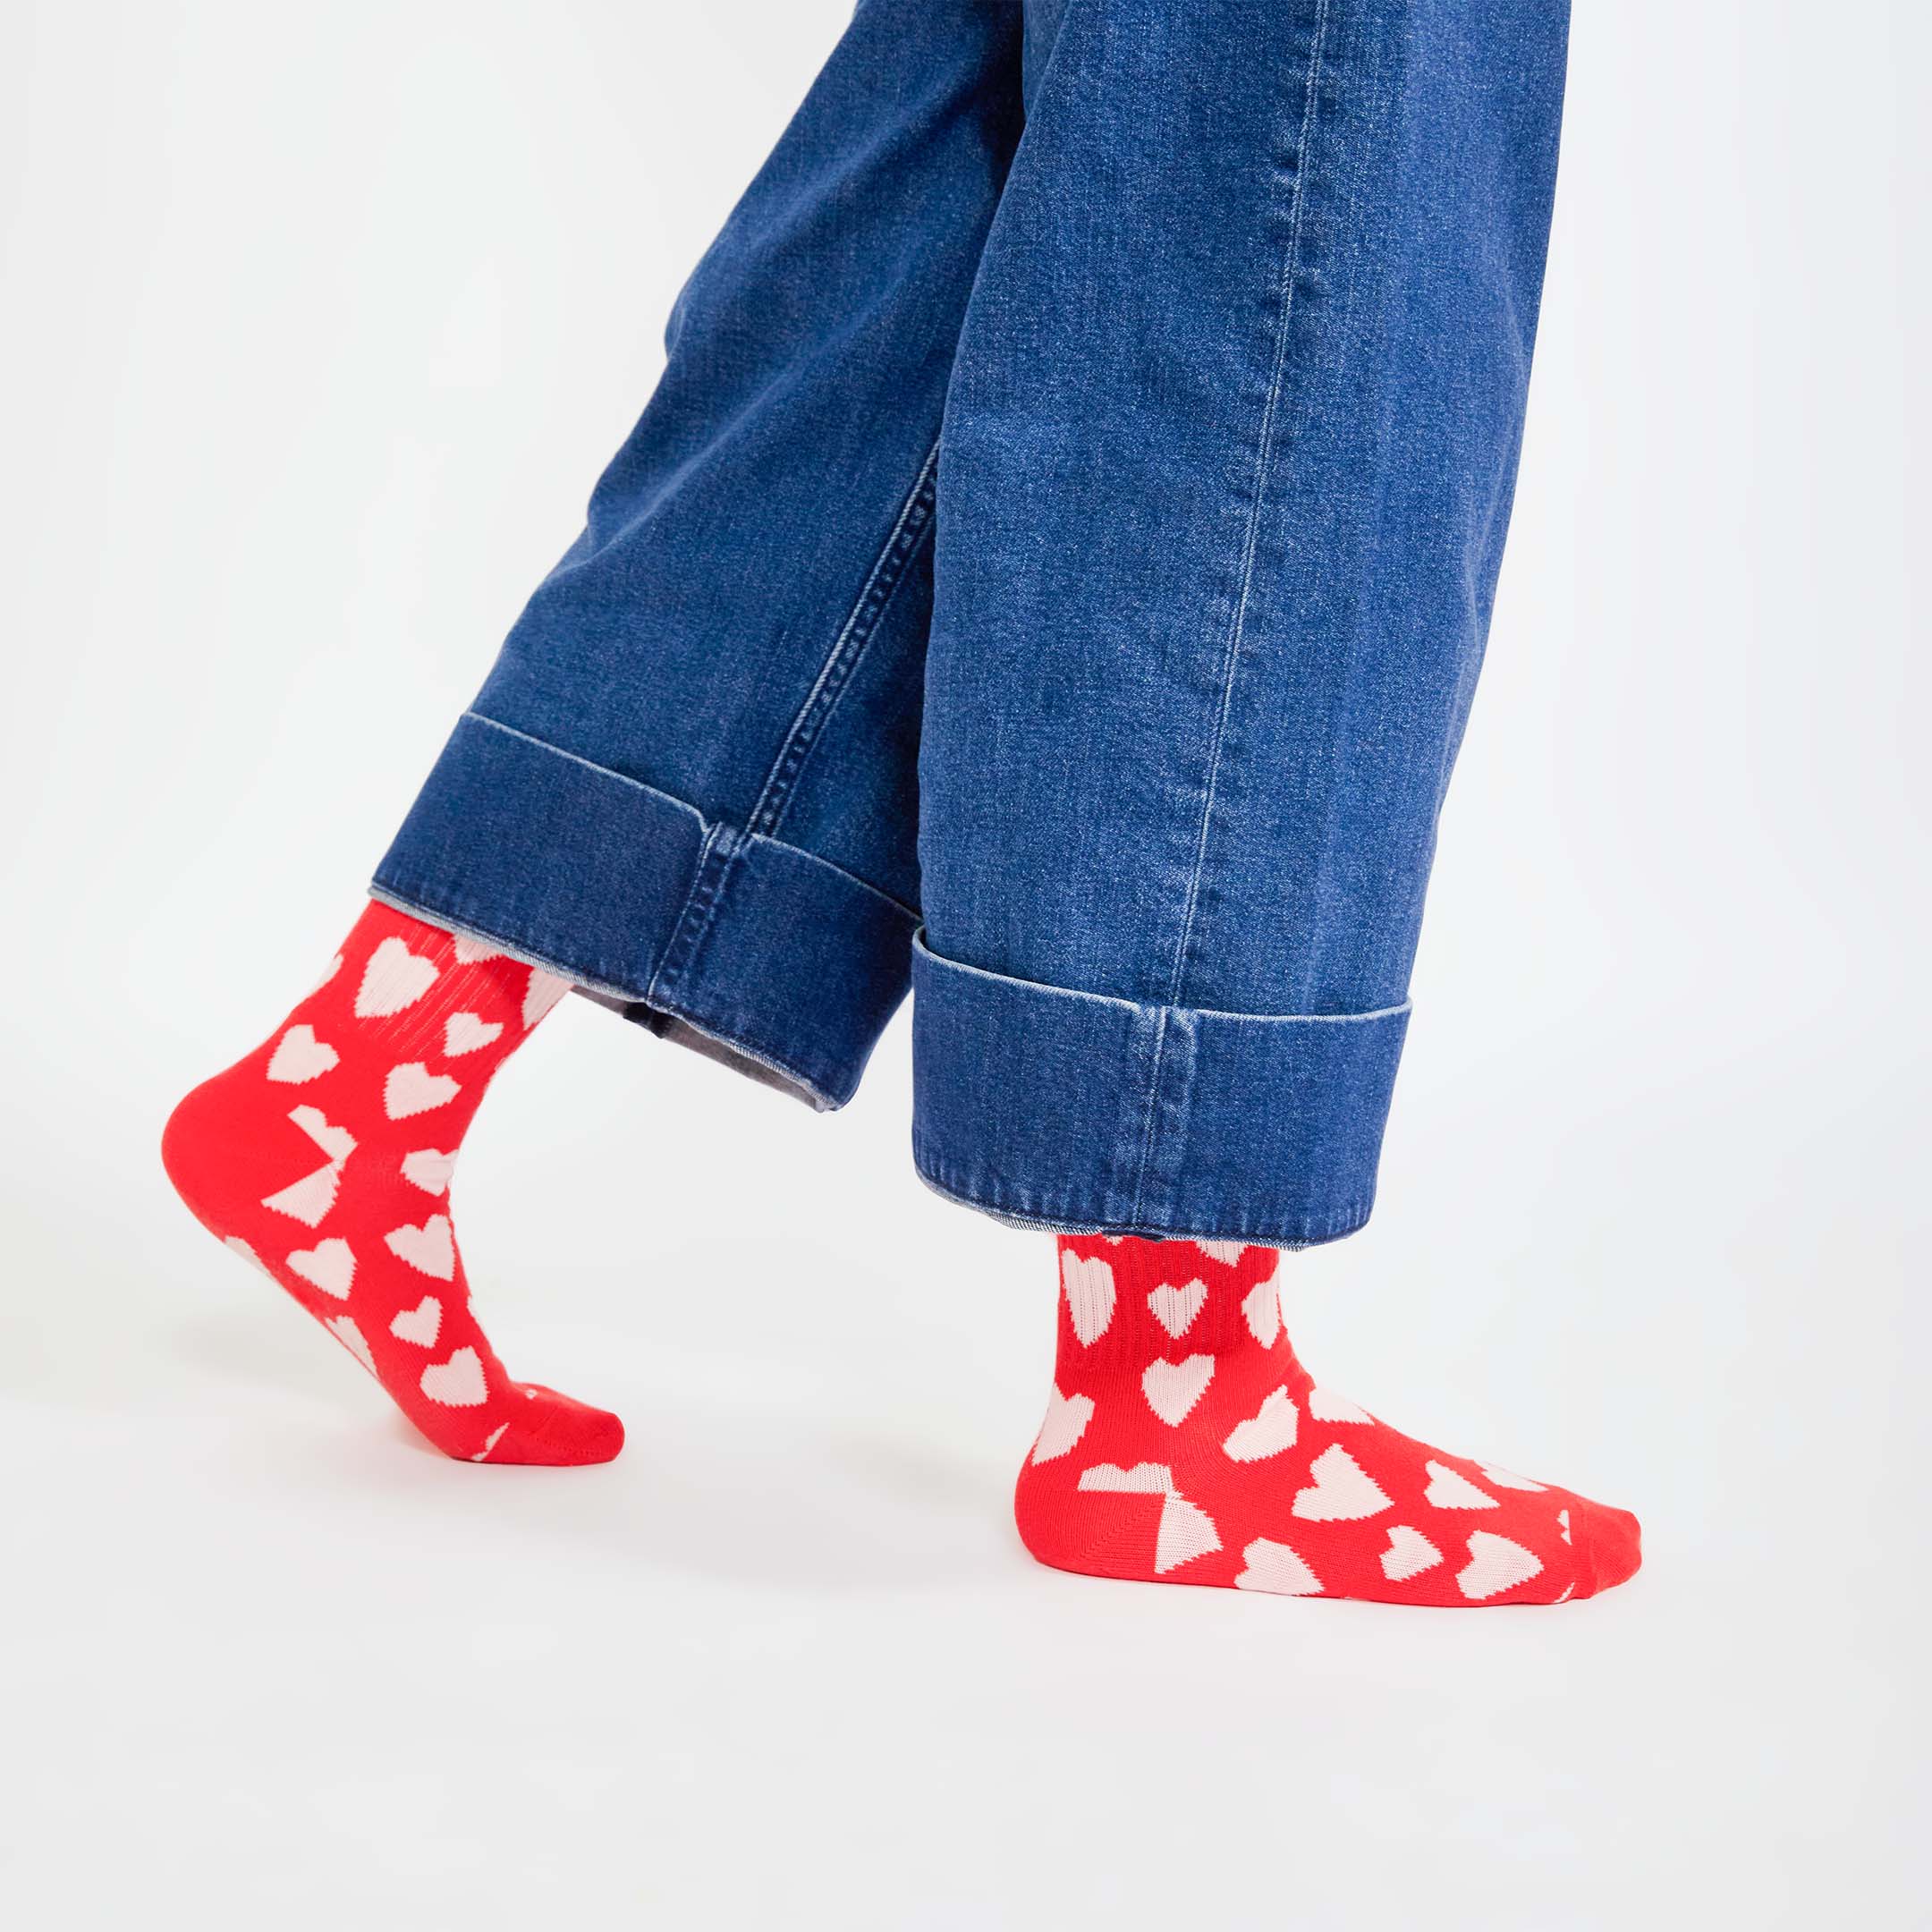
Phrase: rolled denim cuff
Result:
[1061,1109]
[761,950]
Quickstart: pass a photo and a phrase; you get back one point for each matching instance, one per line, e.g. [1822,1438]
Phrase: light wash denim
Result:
[1052,573]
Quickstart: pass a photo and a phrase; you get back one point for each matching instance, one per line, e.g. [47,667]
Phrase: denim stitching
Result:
[696,914]
[1140,1006]
[1153,1108]
[1264,456]
[914,520]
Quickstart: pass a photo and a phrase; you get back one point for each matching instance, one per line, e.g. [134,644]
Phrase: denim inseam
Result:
[1051,574]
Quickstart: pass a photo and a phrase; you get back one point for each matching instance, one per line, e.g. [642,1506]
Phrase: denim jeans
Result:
[1051,575]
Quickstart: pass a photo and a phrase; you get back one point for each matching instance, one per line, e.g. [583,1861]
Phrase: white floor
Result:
[784,1663]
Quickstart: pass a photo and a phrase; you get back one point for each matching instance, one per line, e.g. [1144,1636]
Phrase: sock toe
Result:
[559,1432]
[1610,1544]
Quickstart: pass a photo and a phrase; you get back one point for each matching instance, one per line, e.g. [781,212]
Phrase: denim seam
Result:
[834,675]
[1151,1111]
[1264,456]
[1142,1007]
[695,917]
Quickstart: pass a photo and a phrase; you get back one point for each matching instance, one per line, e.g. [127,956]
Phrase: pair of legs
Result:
[1051,575]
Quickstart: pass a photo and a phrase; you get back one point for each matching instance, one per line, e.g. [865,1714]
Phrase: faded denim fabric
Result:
[1053,572]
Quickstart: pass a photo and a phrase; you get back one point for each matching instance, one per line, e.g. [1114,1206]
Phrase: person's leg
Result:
[689,783]
[325,1158]
[688,786]
[1225,472]
[1184,1442]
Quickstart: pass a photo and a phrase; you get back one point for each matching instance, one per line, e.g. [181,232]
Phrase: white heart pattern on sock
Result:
[489,1441]
[1226,1252]
[308,1200]
[394,978]
[419,1324]
[1495,1564]
[1267,1433]
[1172,1388]
[1503,1479]
[1563,1524]
[544,991]
[1067,1417]
[1449,1490]
[413,1089]
[1186,1531]
[300,1056]
[337,1142]
[254,1260]
[328,973]
[329,1266]
[1144,1479]
[1408,1554]
[1343,1490]
[1261,1309]
[1174,1308]
[1275,1568]
[429,1249]
[1089,1295]
[428,1169]
[469,1032]
[458,1383]
[1323,1407]
[469,952]
[344,1328]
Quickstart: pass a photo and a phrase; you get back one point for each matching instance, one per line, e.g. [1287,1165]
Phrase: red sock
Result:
[1185,1444]
[325,1158]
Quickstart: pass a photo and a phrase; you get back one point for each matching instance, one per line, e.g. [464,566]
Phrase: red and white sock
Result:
[325,1158]
[1185,1444]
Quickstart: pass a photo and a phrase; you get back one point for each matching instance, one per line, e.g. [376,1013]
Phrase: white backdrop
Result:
[317,325]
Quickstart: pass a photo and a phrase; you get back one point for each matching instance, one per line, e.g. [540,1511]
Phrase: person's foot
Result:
[1184,1444]
[325,1158]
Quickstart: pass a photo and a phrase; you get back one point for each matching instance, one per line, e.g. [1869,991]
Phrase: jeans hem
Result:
[706,934]
[1012,1207]
[673,1028]
[1053,1107]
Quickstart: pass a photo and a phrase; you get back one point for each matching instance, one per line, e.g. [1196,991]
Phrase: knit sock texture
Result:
[325,1158]
[1185,1444]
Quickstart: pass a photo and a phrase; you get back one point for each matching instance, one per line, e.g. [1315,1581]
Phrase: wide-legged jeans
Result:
[1051,575]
